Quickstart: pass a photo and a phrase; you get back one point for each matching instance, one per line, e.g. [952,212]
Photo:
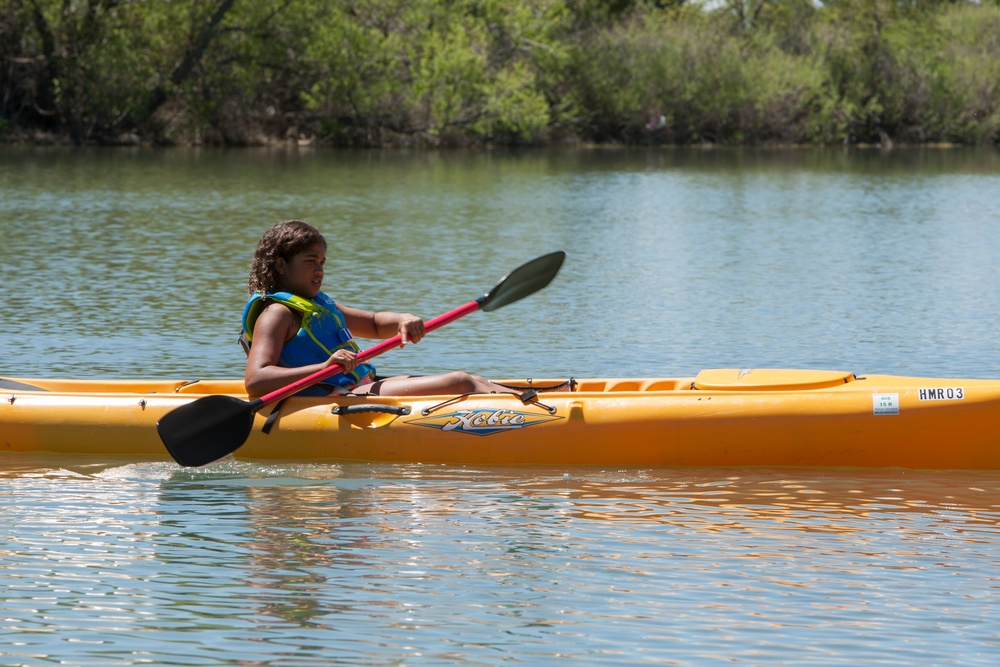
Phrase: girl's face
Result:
[303,273]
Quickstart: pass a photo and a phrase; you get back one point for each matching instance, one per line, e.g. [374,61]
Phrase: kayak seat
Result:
[768,379]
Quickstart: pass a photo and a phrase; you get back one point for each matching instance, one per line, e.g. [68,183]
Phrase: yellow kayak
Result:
[721,417]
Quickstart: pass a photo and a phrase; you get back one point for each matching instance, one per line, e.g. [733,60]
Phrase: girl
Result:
[293,329]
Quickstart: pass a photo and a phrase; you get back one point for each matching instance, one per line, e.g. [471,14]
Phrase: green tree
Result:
[464,71]
[435,68]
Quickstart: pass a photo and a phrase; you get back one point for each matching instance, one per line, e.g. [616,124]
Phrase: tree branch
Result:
[191,58]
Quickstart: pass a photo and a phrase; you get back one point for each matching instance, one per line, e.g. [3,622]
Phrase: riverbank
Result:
[42,139]
[546,72]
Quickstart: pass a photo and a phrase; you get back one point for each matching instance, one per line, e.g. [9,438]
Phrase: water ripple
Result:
[301,564]
[131,263]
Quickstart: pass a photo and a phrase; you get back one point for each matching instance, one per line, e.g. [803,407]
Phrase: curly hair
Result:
[284,240]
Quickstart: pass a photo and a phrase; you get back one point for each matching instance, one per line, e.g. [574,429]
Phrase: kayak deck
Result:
[235,387]
[713,379]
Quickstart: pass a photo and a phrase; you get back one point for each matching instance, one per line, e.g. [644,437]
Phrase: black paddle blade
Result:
[207,429]
[523,281]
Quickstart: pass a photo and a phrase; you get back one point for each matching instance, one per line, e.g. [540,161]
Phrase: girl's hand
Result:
[411,329]
[346,358]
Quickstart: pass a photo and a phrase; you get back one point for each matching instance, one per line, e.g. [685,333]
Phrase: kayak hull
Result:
[721,417]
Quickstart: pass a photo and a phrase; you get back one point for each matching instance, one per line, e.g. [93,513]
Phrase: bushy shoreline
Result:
[531,72]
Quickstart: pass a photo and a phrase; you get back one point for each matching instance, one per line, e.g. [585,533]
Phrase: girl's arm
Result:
[274,327]
[383,324]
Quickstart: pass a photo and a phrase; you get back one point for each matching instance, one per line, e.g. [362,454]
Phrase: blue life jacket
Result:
[323,331]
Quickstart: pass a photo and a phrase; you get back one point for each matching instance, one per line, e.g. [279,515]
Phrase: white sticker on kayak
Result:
[942,394]
[885,404]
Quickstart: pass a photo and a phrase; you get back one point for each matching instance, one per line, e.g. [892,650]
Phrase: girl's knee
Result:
[465,383]
[462,382]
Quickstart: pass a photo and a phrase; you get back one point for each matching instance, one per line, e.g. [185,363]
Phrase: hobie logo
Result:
[483,421]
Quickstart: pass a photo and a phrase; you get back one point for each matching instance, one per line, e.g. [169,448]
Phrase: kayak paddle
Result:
[211,427]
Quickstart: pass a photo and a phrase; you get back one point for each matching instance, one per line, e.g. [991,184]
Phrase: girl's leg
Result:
[456,382]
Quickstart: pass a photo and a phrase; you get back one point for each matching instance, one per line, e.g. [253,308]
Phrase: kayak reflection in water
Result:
[291,329]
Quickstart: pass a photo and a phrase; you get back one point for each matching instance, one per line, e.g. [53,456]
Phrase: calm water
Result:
[122,263]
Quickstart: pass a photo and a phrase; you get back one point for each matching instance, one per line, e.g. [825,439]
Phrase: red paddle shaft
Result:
[364,355]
